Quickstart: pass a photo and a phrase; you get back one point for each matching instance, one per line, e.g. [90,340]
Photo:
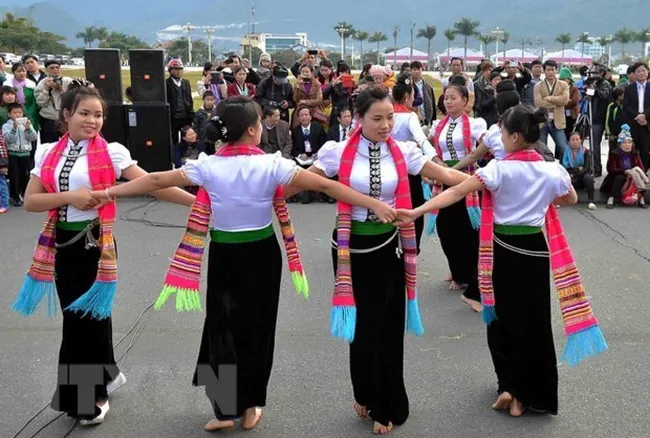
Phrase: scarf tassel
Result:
[299,280]
[431,217]
[584,344]
[343,322]
[413,319]
[31,293]
[489,314]
[98,301]
[474,216]
[187,300]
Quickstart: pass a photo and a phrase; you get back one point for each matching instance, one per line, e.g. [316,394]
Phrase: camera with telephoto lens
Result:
[596,74]
[58,80]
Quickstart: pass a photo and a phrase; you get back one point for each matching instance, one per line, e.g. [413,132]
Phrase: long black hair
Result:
[525,120]
[233,117]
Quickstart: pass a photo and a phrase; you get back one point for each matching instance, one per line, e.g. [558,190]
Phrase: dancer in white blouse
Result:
[377,276]
[455,137]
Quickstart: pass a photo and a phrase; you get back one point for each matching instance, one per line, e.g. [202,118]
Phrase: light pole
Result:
[250,13]
[188,28]
[610,40]
[209,31]
[412,29]
[497,34]
[342,30]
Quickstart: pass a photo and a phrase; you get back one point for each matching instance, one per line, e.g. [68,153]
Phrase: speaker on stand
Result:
[147,76]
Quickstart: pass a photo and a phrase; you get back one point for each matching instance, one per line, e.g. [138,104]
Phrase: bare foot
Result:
[456,286]
[380,429]
[448,277]
[516,408]
[503,402]
[473,304]
[251,418]
[361,411]
[219,425]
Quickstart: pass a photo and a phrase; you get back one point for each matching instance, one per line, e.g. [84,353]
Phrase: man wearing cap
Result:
[517,73]
[276,90]
[179,98]
[48,97]
[264,66]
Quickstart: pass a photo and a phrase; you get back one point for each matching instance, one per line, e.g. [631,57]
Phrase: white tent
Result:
[513,54]
[473,56]
[570,56]
[404,54]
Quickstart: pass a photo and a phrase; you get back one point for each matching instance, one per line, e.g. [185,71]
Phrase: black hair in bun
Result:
[403,87]
[525,120]
[233,117]
[507,96]
[78,90]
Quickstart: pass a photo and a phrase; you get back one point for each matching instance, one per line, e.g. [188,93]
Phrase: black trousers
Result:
[417,199]
[585,181]
[49,133]
[19,176]
[377,353]
[641,137]
[617,186]
[177,125]
[521,338]
[240,322]
[86,358]
[459,241]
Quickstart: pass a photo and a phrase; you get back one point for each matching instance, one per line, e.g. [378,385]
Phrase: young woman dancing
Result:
[76,256]
[240,185]
[519,197]
[375,262]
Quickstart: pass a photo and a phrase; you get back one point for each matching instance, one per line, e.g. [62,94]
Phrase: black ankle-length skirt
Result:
[239,330]
[86,359]
[377,352]
[521,339]
[417,199]
[459,241]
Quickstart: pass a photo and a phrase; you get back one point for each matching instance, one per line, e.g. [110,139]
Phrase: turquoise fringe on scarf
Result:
[300,283]
[431,218]
[413,319]
[583,344]
[489,314]
[344,321]
[98,301]
[474,216]
[187,300]
[31,293]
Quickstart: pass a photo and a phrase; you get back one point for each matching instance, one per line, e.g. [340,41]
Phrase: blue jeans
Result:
[4,192]
[559,137]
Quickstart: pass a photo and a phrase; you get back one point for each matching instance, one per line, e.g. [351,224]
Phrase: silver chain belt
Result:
[525,252]
[91,242]
[398,250]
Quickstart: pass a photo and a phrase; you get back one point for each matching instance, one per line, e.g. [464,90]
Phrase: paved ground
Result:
[448,371]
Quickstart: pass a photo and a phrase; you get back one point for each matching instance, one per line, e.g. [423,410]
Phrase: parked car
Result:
[77,61]
[10,58]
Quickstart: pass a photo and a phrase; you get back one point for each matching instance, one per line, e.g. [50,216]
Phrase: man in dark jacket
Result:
[276,133]
[276,90]
[201,119]
[602,91]
[179,98]
[426,111]
[517,73]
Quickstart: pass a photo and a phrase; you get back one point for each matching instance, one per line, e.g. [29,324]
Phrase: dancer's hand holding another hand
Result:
[385,212]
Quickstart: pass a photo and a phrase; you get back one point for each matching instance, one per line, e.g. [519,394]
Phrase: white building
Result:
[269,42]
[593,49]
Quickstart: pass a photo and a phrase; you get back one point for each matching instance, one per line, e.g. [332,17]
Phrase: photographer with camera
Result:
[48,97]
[277,91]
[597,91]
[517,73]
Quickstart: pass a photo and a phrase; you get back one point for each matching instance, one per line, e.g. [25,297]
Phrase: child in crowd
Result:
[4,168]
[188,149]
[19,135]
[614,118]
[577,160]
[201,119]
[7,97]
[626,178]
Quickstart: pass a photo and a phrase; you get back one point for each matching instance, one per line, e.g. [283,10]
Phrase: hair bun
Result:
[80,83]
[221,128]
[404,79]
[539,116]
[506,85]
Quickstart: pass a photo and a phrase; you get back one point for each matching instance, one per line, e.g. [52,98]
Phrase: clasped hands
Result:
[399,217]
[85,199]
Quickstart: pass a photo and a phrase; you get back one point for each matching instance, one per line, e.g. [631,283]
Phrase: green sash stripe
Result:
[219,236]
[516,230]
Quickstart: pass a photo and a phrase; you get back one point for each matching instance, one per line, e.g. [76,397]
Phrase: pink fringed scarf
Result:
[471,200]
[343,315]
[184,273]
[39,281]
[580,324]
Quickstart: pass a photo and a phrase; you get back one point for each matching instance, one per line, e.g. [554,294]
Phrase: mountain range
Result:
[542,19]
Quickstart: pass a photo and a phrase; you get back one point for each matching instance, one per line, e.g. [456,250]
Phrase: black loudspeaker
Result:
[147,76]
[103,68]
[115,128]
[150,136]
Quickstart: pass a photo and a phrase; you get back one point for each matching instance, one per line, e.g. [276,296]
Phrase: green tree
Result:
[285,57]
[467,28]
[583,39]
[524,42]
[361,37]
[88,35]
[624,36]
[564,39]
[643,36]
[450,35]
[178,49]
[19,35]
[396,30]
[123,42]
[345,31]
[47,42]
[486,40]
[255,52]
[428,33]
[378,37]
[505,37]
[102,34]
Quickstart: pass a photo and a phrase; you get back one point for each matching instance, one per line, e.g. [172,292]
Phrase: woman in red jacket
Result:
[240,87]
